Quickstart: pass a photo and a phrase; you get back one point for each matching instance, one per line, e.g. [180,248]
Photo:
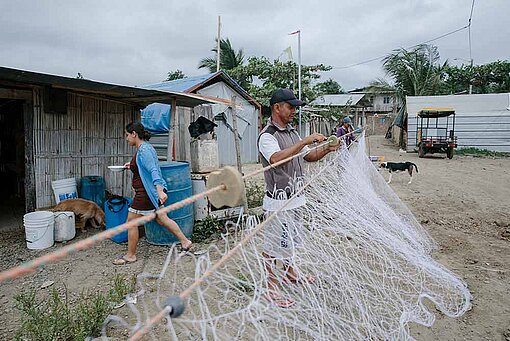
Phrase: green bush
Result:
[53,319]
[206,229]
[254,194]
[472,151]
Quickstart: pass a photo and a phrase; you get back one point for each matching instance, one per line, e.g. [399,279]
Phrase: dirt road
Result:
[464,203]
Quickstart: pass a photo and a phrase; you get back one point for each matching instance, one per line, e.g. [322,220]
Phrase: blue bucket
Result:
[116,212]
[178,180]
[92,188]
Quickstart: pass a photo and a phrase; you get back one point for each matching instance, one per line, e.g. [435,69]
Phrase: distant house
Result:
[220,87]
[353,104]
[57,127]
[378,103]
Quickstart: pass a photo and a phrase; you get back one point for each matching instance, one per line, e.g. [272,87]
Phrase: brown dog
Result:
[84,210]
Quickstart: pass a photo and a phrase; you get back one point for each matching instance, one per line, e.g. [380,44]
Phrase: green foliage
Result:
[476,152]
[206,229]
[173,75]
[487,78]
[53,319]
[416,72]
[264,77]
[254,194]
[329,87]
[229,58]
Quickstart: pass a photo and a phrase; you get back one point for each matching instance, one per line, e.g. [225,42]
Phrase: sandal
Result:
[186,249]
[308,279]
[278,299]
[123,261]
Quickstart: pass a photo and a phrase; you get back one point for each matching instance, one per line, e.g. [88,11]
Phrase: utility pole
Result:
[218,45]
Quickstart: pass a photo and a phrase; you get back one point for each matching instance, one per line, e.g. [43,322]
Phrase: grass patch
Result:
[254,194]
[477,152]
[52,318]
[204,230]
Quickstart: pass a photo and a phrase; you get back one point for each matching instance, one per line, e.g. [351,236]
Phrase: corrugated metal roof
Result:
[192,84]
[337,100]
[182,85]
[128,94]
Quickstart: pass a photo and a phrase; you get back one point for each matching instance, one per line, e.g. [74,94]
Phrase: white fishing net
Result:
[370,258]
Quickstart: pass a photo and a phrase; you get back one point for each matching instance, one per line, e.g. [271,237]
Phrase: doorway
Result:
[12,158]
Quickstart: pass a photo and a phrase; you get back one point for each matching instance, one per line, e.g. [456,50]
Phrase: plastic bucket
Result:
[178,180]
[64,226]
[115,214]
[39,229]
[64,189]
[92,188]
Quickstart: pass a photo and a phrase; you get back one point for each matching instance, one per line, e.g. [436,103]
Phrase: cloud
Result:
[138,42]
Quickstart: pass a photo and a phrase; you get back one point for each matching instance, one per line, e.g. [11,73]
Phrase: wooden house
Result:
[57,127]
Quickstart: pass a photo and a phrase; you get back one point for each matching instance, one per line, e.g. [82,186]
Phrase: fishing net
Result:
[370,258]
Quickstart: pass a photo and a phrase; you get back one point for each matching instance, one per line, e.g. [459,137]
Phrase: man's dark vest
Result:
[285,177]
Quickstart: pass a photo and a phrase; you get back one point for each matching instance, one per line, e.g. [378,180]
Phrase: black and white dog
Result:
[399,167]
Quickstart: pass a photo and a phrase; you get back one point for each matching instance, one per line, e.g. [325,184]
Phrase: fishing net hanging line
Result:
[370,257]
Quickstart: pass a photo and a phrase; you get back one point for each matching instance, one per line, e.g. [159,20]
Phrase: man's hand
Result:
[315,137]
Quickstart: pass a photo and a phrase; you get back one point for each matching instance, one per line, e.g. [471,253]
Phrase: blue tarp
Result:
[156,117]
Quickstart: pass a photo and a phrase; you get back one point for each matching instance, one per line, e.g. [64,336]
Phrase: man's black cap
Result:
[285,95]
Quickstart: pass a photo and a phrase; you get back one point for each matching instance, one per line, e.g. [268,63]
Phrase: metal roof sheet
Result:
[337,100]
[134,95]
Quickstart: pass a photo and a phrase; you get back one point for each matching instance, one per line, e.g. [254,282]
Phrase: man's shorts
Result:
[284,233]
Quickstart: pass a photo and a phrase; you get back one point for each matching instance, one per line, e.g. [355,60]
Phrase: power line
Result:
[425,42]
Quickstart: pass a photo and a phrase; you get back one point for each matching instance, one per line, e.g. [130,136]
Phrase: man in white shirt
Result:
[277,141]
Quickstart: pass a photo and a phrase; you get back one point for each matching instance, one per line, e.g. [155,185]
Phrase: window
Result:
[386,100]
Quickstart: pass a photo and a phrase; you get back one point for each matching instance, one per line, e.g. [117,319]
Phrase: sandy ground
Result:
[463,203]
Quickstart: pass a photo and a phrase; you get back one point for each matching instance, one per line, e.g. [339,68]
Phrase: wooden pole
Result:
[236,136]
[238,148]
[218,45]
[171,130]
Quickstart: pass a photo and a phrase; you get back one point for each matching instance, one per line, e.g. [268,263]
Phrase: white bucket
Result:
[64,226]
[39,229]
[64,189]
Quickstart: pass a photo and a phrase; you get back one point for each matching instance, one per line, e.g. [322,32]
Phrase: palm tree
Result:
[229,59]
[414,73]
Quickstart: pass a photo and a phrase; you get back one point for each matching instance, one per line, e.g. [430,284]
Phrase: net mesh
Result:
[370,257]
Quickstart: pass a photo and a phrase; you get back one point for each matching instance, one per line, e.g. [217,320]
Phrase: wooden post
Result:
[238,147]
[28,122]
[171,129]
[236,136]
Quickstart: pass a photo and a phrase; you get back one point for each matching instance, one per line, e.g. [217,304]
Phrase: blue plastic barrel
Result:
[115,213]
[92,188]
[178,181]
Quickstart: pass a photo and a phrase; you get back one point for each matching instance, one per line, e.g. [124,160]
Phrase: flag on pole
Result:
[295,32]
[288,50]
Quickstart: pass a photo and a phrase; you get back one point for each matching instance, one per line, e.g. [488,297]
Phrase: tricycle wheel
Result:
[421,151]
[449,153]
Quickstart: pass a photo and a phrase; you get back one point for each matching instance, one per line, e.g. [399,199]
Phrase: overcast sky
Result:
[138,42]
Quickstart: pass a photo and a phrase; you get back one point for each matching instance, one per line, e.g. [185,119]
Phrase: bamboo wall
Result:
[85,141]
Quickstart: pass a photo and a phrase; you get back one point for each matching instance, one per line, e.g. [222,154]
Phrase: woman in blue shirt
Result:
[150,190]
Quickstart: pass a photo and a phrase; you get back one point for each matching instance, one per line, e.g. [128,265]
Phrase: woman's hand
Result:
[162,196]
[127,164]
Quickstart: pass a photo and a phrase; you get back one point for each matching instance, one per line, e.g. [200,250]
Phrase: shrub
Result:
[54,319]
